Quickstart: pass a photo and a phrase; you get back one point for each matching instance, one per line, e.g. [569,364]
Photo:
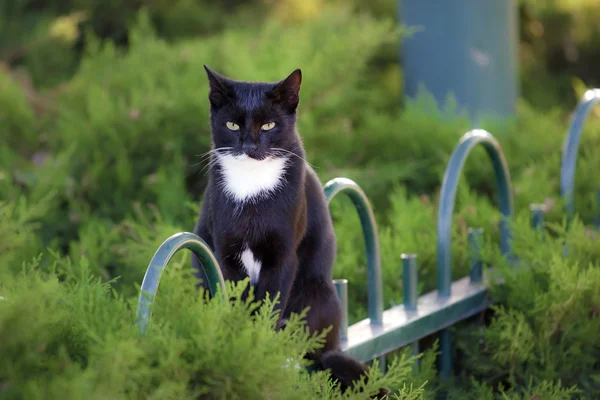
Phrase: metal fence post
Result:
[410,291]
[475,262]
[341,287]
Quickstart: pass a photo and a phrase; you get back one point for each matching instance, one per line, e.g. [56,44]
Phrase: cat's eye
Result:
[268,126]
[232,126]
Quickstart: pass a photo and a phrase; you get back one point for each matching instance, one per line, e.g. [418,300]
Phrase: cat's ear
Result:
[220,88]
[287,91]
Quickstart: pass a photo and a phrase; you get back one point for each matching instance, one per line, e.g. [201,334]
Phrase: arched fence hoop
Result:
[369,228]
[446,207]
[571,148]
[448,197]
[161,258]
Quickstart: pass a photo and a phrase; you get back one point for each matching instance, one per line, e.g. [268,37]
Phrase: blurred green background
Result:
[104,107]
[48,37]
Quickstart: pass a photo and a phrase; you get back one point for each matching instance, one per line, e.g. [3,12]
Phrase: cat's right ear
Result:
[220,89]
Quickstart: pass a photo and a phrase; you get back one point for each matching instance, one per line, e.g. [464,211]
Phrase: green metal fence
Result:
[419,316]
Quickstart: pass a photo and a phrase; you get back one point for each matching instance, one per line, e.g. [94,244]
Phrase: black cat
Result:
[265,214]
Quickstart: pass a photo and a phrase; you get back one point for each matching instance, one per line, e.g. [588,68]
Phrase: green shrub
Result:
[17,116]
[544,325]
[77,338]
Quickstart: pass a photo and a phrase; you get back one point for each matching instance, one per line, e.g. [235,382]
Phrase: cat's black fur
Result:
[290,229]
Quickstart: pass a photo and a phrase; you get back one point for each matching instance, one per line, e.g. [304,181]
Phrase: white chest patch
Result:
[245,178]
[251,265]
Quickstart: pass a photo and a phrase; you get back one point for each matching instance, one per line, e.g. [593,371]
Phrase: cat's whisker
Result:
[198,163]
[213,151]
[294,154]
[205,156]
[209,166]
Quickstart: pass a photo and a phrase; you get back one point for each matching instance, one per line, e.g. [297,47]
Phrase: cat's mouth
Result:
[248,155]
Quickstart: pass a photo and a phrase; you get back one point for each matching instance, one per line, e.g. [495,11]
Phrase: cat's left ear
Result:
[287,91]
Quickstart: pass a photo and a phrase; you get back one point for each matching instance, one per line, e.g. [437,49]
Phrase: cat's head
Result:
[254,118]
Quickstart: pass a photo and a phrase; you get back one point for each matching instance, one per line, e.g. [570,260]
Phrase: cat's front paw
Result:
[281,324]
[382,395]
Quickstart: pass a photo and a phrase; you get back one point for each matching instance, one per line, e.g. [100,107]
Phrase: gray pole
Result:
[467,48]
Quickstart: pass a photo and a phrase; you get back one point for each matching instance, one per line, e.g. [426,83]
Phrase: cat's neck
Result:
[244,179]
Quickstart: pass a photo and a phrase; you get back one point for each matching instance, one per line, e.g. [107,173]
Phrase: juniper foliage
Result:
[97,172]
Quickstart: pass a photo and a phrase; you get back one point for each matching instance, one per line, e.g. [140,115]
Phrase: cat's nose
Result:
[250,149]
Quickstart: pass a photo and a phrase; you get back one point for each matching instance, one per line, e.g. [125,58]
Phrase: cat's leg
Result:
[325,310]
[326,313]
[274,280]
[314,288]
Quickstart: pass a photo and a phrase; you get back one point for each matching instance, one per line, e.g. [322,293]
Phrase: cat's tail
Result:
[345,370]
